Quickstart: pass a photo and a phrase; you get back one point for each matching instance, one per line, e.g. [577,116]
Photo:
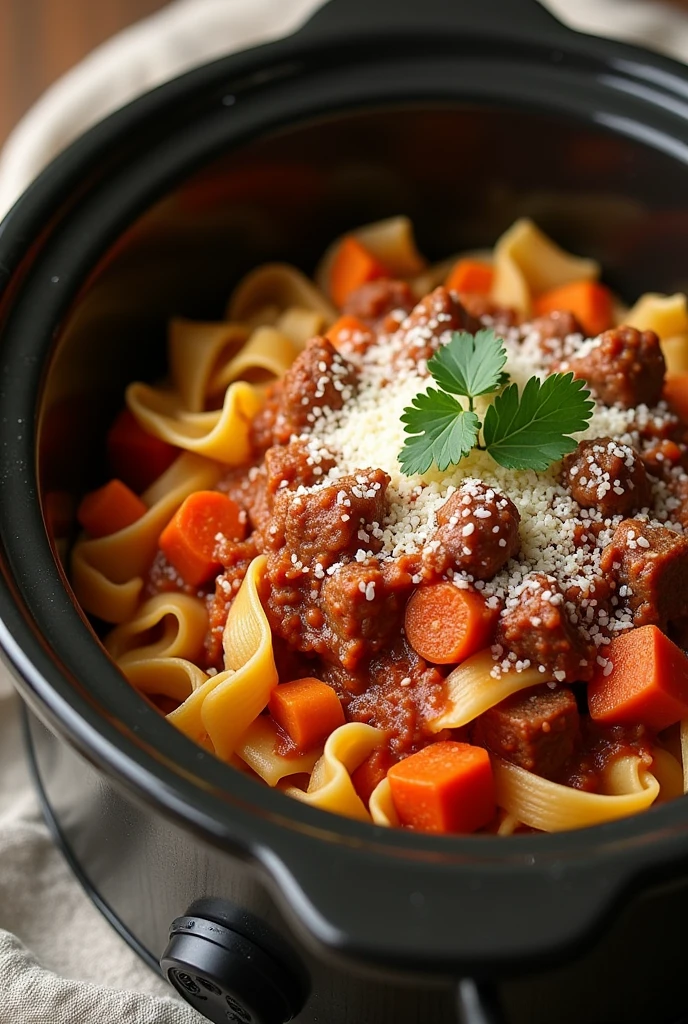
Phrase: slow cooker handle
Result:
[515,19]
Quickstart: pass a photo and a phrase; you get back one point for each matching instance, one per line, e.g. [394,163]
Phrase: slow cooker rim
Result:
[20,226]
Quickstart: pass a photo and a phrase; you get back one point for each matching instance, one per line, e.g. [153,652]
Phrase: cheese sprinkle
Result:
[558,537]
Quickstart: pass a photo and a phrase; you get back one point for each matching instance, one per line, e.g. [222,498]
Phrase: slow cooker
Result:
[256,907]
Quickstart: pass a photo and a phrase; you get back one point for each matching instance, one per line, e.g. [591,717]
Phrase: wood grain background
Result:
[41,39]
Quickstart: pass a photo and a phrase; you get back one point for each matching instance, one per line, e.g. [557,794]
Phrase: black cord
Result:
[478,1003]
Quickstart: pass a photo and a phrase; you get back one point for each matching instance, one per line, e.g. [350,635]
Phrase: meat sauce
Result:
[343,621]
[341,570]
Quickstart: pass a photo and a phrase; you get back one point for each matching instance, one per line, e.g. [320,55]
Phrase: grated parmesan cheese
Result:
[367,433]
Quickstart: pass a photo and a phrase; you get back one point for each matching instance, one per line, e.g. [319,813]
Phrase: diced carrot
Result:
[590,302]
[648,682]
[350,334]
[307,710]
[353,266]
[676,393]
[445,625]
[136,456]
[445,787]
[191,538]
[369,774]
[109,509]
[471,276]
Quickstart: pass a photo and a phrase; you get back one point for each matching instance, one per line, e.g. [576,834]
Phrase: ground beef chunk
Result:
[477,533]
[323,525]
[535,729]
[237,559]
[361,610]
[537,629]
[678,486]
[651,566]
[424,330]
[376,300]
[320,377]
[396,691]
[607,475]
[292,465]
[552,330]
[309,534]
[263,431]
[623,366]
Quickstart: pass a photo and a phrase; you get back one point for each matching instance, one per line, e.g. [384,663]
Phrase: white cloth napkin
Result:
[60,962]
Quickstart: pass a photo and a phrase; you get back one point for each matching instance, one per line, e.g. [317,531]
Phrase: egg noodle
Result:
[217,378]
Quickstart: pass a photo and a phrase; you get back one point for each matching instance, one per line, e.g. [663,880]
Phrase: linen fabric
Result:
[60,961]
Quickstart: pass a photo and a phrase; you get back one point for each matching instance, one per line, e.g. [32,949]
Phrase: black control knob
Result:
[232,968]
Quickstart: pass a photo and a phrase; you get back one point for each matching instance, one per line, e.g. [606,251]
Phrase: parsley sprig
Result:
[521,431]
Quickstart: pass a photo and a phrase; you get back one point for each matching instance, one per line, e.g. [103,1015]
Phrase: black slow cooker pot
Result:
[463,116]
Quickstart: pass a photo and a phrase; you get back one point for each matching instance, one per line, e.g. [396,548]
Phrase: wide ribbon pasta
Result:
[527,263]
[667,316]
[472,689]
[551,807]
[300,324]
[228,703]
[222,434]
[669,774]
[184,622]
[268,291]
[176,678]
[381,806]
[258,748]
[330,787]
[268,353]
[196,351]
[107,572]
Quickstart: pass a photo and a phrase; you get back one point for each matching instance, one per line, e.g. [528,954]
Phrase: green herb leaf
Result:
[531,432]
[445,432]
[470,365]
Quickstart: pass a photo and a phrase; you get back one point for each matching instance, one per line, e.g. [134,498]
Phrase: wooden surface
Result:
[41,39]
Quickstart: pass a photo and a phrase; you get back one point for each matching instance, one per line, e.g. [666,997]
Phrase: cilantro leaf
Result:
[531,432]
[470,365]
[445,432]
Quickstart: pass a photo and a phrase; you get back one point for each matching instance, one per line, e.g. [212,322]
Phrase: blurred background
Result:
[41,39]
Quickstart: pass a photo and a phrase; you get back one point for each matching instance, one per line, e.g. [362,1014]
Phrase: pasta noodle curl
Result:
[330,787]
[527,262]
[258,749]
[221,435]
[667,316]
[228,703]
[196,352]
[551,807]
[381,805]
[184,622]
[268,291]
[472,689]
